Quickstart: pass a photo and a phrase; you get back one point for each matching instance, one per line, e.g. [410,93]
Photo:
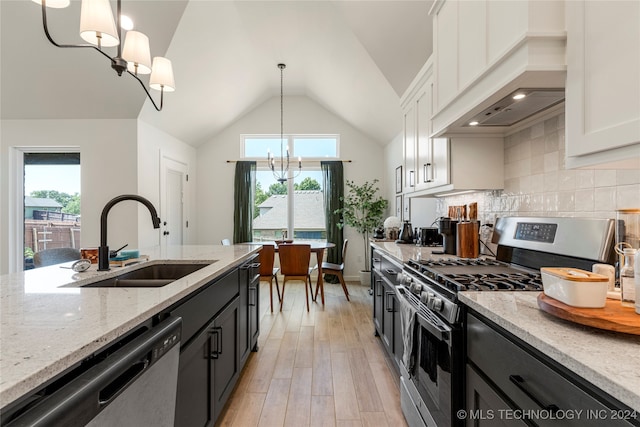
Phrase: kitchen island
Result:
[49,323]
[607,360]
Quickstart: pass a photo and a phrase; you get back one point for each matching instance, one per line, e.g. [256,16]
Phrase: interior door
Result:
[173,191]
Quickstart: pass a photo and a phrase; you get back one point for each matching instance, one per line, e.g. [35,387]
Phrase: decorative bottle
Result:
[627,278]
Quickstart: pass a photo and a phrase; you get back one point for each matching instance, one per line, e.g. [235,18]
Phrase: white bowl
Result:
[575,287]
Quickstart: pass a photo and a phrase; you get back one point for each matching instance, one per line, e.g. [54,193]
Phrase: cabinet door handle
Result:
[252,296]
[217,351]
[411,182]
[255,265]
[379,282]
[428,177]
[390,308]
[521,384]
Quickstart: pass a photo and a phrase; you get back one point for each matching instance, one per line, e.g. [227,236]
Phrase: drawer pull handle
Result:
[390,271]
[521,384]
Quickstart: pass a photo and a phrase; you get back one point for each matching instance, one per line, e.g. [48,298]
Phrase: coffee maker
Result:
[447,228]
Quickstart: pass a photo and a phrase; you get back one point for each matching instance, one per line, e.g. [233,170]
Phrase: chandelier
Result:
[281,174]
[97,27]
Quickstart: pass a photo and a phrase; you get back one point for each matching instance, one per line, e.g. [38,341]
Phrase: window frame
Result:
[312,162]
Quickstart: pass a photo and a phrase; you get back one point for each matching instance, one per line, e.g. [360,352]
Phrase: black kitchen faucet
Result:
[103,250]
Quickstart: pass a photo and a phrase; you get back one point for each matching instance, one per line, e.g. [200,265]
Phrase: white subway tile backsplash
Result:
[537,146]
[551,181]
[567,201]
[551,144]
[551,162]
[550,125]
[537,130]
[605,198]
[537,164]
[584,200]
[551,203]
[585,179]
[537,183]
[566,180]
[627,176]
[605,178]
[628,196]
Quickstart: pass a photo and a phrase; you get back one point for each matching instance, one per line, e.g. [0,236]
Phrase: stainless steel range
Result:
[432,381]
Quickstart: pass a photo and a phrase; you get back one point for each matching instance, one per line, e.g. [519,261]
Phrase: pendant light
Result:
[99,29]
[281,173]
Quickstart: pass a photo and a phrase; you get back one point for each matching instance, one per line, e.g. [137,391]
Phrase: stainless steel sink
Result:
[152,276]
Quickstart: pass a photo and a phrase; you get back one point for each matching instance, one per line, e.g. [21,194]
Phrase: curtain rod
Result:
[316,161]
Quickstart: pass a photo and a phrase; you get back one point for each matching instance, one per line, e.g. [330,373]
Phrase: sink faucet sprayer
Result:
[103,250]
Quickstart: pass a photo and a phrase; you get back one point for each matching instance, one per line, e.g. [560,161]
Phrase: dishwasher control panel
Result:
[165,345]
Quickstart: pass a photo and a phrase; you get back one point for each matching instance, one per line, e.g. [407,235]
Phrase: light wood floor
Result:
[321,368]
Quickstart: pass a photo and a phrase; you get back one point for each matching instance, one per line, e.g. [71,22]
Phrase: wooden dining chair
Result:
[269,273]
[337,269]
[294,265]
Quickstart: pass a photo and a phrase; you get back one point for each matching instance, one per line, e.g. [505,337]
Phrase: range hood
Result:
[516,107]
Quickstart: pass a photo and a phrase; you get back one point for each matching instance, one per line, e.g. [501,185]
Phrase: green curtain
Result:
[243,190]
[333,184]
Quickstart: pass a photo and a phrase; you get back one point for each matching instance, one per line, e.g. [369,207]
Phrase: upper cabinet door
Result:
[409,172]
[603,78]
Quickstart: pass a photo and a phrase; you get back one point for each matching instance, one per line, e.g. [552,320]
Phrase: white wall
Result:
[152,144]
[108,159]
[301,116]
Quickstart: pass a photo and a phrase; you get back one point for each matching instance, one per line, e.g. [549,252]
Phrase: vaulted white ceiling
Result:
[355,58]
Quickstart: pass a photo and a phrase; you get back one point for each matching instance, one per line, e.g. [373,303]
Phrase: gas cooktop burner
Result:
[478,275]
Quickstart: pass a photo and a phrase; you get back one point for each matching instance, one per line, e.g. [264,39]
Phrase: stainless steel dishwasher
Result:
[135,386]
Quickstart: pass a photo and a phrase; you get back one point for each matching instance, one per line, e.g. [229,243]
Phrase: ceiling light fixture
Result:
[282,174]
[474,123]
[519,96]
[98,28]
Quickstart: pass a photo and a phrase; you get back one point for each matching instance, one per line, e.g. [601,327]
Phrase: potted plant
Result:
[363,210]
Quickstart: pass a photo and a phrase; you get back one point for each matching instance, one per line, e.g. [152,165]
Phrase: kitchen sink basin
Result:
[152,276]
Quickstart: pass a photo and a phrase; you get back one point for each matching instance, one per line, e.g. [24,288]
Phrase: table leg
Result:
[320,282]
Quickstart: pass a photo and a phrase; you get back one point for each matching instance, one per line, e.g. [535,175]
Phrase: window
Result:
[296,206]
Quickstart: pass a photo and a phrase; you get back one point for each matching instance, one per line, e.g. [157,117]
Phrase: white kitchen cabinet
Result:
[603,83]
[426,160]
[409,147]
[484,50]
[436,165]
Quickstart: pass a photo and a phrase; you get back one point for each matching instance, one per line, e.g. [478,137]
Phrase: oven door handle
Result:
[440,333]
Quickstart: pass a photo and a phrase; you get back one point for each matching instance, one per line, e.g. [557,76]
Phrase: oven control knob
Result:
[424,298]
[437,304]
[416,288]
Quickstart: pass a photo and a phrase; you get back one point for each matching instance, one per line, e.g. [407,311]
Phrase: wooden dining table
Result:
[317,247]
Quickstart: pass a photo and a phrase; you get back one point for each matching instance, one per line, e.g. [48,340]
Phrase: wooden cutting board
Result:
[613,316]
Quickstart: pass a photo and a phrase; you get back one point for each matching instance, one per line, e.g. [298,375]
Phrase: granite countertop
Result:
[47,324]
[608,360]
